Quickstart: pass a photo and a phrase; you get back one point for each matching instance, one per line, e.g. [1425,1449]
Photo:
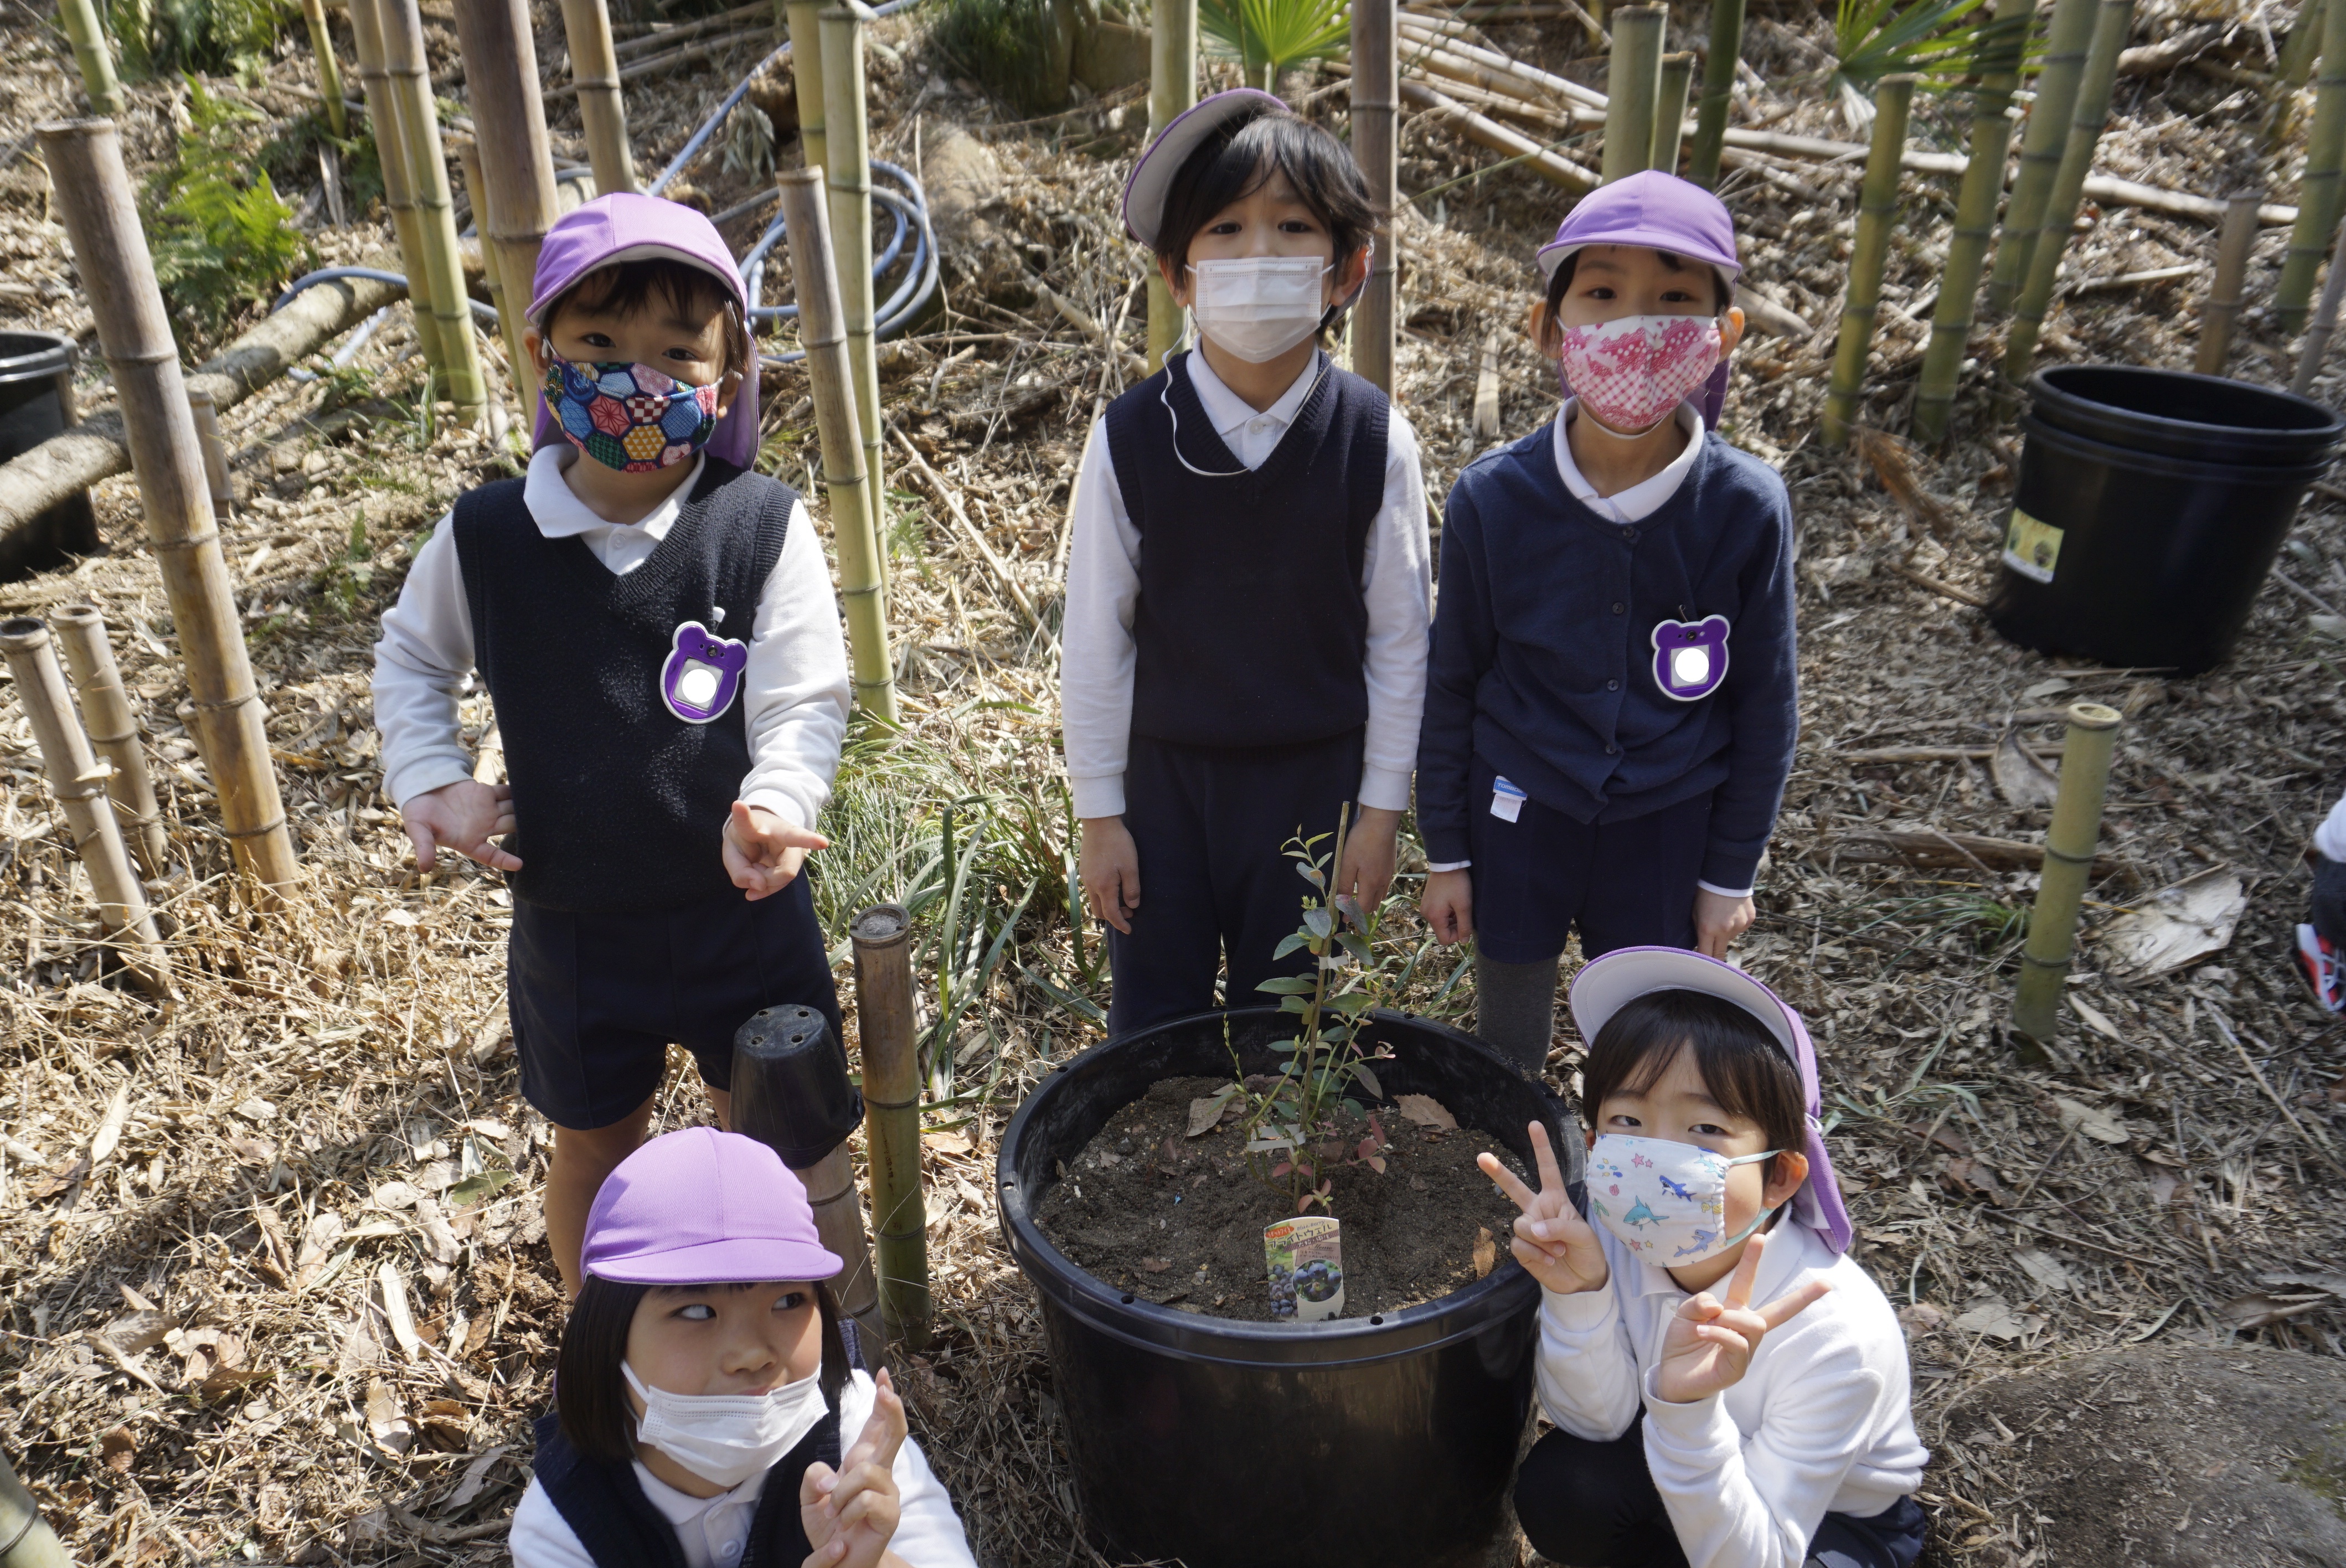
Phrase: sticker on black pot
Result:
[2032,548]
[1306,1258]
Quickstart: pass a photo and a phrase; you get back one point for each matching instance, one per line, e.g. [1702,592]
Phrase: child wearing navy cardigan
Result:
[1611,705]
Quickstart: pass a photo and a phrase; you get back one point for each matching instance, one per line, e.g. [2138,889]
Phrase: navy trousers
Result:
[1209,825]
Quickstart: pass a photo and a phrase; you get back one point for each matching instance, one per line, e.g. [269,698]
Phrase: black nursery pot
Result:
[1350,1443]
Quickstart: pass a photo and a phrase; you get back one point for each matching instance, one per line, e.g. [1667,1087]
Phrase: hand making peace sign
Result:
[1553,1243]
[1709,1346]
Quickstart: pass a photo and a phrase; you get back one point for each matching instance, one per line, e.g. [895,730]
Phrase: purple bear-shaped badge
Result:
[1690,658]
[703,673]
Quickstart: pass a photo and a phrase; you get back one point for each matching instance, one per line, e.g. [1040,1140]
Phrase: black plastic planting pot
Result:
[1351,1443]
[35,403]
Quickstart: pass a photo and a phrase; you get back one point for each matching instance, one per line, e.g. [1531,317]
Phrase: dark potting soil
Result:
[1179,1220]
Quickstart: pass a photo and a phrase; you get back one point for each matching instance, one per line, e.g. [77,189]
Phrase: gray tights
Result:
[1514,1008]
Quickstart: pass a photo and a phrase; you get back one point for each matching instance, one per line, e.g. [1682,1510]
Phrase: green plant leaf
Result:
[1351,1004]
[1287,944]
[1368,1080]
[476,1188]
[1317,922]
[1288,985]
[1267,37]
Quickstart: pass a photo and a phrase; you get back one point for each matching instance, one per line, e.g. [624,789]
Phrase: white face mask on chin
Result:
[726,1438]
[1258,307]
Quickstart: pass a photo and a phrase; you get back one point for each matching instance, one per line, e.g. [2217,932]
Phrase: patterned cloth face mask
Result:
[1633,373]
[630,417]
[1664,1201]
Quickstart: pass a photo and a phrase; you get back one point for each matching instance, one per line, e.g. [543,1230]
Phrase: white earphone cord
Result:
[1163,396]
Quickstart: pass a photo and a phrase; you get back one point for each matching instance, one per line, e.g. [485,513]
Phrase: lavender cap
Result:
[1152,176]
[1606,985]
[703,1207]
[625,226]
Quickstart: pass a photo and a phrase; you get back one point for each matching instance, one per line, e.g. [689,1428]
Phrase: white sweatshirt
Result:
[795,691]
[2329,839]
[1104,587]
[713,1531]
[1820,1423]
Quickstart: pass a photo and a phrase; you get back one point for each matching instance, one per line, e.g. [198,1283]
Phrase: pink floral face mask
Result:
[1631,373]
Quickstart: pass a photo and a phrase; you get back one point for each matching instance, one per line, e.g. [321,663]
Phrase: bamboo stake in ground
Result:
[87,32]
[2069,842]
[847,133]
[217,482]
[95,200]
[2067,37]
[1376,100]
[2222,310]
[79,782]
[594,72]
[1172,92]
[891,1112]
[398,186]
[330,70]
[1959,279]
[114,730]
[36,1544]
[2296,65]
[2325,320]
[814,275]
[406,73]
[2093,112]
[1717,91]
[1877,215]
[2322,188]
[1633,89]
[1670,112]
[515,201]
[806,74]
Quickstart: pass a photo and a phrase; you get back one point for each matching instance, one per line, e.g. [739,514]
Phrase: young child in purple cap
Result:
[1695,1427]
[655,624]
[1248,590]
[707,1382]
[1611,709]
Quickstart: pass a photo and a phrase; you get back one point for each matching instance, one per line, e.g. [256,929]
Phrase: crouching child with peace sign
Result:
[1729,1388]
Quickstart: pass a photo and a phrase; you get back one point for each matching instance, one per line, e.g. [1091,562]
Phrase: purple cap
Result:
[703,1207]
[1606,985]
[625,226]
[1152,176]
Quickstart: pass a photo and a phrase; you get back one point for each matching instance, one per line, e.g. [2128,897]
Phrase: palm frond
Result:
[1267,37]
[1927,38]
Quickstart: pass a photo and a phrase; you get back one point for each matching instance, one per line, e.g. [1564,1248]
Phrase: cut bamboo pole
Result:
[1551,166]
[95,200]
[595,72]
[406,71]
[2325,320]
[79,783]
[2066,39]
[892,1112]
[1376,103]
[2222,311]
[2296,66]
[847,134]
[515,201]
[329,69]
[1172,92]
[114,730]
[1633,89]
[217,482]
[2069,842]
[2322,188]
[476,192]
[1717,91]
[1877,215]
[1669,115]
[398,185]
[2111,19]
[814,274]
[36,1544]
[806,74]
[87,33]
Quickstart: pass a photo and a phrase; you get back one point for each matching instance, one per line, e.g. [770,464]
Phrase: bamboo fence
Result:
[595,74]
[1877,215]
[407,75]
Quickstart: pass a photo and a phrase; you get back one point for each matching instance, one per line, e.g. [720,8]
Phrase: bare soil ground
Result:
[265,1297]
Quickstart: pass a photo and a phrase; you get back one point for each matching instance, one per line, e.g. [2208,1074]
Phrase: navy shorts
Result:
[1624,884]
[597,998]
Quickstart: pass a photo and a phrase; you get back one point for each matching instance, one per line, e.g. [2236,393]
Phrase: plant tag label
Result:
[1306,1258]
[1690,658]
[1507,799]
[2032,548]
[703,673]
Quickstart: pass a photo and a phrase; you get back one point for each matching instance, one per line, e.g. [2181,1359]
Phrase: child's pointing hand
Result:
[763,852]
[1553,1243]
[1710,1344]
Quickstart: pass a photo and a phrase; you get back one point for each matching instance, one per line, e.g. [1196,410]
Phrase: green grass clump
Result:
[1005,47]
[221,236]
[221,38]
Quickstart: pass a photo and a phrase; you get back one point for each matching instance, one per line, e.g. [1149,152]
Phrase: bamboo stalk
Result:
[1552,166]
[847,133]
[594,74]
[1670,108]
[2222,311]
[398,185]
[2322,188]
[2093,112]
[2066,39]
[87,34]
[1877,215]
[476,191]
[36,1544]
[1375,103]
[114,730]
[1633,89]
[1717,91]
[330,70]
[2325,322]
[1172,92]
[2296,58]
[815,276]
[892,1110]
[516,182]
[2069,842]
[217,482]
[95,200]
[80,785]
[407,75]
[806,74]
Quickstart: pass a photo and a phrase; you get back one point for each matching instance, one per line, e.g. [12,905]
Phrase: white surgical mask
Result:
[1258,307]
[1666,1201]
[726,1438]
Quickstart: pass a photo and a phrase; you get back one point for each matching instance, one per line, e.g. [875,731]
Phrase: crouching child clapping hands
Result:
[1728,1391]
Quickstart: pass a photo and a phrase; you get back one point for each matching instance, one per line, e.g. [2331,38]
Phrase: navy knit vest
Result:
[618,803]
[1251,628]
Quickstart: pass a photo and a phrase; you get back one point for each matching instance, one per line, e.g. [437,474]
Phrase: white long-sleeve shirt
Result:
[795,690]
[714,1531]
[1104,588]
[2329,839]
[1822,1421]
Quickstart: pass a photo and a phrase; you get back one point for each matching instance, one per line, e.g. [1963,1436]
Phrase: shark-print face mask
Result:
[1666,1201]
